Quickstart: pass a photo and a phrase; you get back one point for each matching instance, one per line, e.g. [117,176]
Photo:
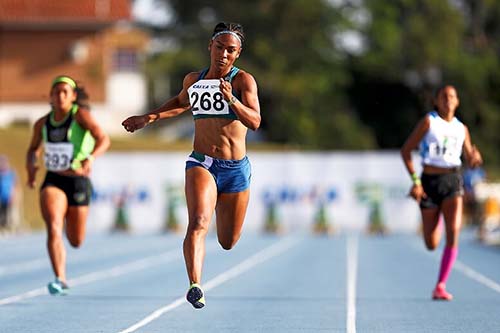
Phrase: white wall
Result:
[298,181]
[126,91]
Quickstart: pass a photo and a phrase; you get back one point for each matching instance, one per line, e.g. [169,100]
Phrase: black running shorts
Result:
[440,187]
[78,189]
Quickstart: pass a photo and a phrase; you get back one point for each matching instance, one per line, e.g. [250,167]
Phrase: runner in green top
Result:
[71,140]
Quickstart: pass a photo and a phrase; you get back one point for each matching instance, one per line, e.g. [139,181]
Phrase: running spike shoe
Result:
[195,296]
[57,287]
[441,294]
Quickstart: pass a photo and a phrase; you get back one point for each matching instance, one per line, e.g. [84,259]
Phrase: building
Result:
[93,41]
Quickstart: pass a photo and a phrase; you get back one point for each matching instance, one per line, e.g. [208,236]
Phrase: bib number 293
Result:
[58,156]
[57,162]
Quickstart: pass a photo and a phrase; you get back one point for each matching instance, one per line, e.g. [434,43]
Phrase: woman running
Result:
[441,139]
[71,139]
[224,103]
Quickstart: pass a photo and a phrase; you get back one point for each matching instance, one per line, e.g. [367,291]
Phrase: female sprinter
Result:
[72,140]
[442,139]
[224,103]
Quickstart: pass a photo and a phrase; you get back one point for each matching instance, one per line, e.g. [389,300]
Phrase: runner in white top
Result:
[442,140]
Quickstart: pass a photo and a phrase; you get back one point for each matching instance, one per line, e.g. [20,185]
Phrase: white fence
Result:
[347,185]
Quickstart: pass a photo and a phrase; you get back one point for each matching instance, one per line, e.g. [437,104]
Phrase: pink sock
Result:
[447,261]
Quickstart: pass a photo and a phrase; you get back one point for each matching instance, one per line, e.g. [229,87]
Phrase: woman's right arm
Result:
[171,108]
[471,152]
[411,144]
[34,151]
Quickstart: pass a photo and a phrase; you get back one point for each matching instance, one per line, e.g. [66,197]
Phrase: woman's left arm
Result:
[471,152]
[102,141]
[248,108]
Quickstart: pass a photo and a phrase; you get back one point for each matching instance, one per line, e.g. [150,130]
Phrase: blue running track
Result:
[348,282]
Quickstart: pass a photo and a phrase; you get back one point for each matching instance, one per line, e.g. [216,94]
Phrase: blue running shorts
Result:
[231,176]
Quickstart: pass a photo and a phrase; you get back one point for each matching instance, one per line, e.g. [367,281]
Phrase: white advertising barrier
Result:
[346,187]
[484,190]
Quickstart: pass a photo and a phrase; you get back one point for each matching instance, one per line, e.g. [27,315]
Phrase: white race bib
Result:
[58,156]
[206,98]
[448,150]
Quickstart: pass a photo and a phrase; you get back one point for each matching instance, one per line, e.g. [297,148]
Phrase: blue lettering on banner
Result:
[111,194]
[367,191]
[293,194]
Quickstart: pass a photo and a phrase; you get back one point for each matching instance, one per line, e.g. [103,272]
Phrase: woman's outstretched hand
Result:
[134,123]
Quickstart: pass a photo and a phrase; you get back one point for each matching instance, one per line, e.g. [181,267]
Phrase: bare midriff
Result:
[70,172]
[220,138]
[434,170]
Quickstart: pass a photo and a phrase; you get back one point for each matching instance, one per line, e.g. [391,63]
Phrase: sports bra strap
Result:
[202,74]
[232,73]
[229,77]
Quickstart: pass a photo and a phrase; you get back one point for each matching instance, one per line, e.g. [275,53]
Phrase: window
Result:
[125,60]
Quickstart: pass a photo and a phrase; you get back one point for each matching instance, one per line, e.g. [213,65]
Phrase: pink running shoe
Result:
[441,294]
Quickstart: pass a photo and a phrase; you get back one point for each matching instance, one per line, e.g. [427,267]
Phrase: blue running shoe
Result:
[195,296]
[57,287]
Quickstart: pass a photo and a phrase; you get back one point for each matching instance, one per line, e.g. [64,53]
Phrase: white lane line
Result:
[467,271]
[474,275]
[25,266]
[352,267]
[26,295]
[103,274]
[37,264]
[239,269]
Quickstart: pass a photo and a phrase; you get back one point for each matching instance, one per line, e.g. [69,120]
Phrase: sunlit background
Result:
[341,85]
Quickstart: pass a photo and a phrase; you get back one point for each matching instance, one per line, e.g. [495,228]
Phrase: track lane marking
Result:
[29,265]
[466,270]
[352,267]
[24,266]
[476,276]
[258,258]
[115,271]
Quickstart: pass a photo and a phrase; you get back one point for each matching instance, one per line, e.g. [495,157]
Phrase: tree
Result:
[317,93]
[291,52]
[413,47]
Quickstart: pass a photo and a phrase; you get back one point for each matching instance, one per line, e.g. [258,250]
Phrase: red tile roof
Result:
[17,11]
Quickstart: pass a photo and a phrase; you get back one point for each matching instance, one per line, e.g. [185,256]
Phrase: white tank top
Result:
[443,142]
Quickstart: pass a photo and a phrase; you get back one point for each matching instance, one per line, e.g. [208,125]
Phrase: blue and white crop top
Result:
[206,99]
[443,142]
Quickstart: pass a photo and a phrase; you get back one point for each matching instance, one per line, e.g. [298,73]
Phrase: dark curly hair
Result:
[228,26]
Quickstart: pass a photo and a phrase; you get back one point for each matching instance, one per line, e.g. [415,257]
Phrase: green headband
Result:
[64,79]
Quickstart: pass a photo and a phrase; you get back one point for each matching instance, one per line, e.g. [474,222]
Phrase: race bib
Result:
[58,156]
[448,150]
[205,98]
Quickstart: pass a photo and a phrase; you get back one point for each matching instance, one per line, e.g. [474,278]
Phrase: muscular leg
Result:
[201,196]
[432,234]
[452,211]
[231,209]
[54,205]
[76,221]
